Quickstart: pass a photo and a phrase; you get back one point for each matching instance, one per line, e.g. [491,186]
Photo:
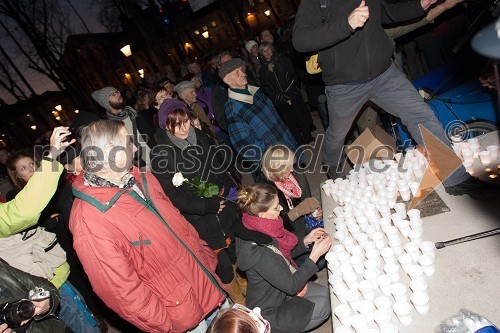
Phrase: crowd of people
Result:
[151,216]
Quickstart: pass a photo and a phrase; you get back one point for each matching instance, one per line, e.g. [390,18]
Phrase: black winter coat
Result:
[197,161]
[278,79]
[347,55]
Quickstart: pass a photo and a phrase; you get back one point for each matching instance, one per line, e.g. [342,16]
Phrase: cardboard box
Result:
[370,145]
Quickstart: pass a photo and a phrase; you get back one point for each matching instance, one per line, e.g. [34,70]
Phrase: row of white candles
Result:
[470,150]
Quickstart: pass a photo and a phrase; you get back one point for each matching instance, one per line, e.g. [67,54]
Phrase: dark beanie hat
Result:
[230,66]
[166,108]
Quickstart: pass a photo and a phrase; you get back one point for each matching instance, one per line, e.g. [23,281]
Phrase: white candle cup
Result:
[326,188]
[418,285]
[391,232]
[415,236]
[420,301]
[417,224]
[353,298]
[426,261]
[366,289]
[385,282]
[415,272]
[384,222]
[343,313]
[373,264]
[351,279]
[369,245]
[337,248]
[382,317]
[418,171]
[413,214]
[340,235]
[338,211]
[403,311]
[348,241]
[371,275]
[415,189]
[356,250]
[469,167]
[485,157]
[388,255]
[468,155]
[400,208]
[340,290]
[343,329]
[378,238]
[392,270]
[383,303]
[359,323]
[357,263]
[366,308]
[473,142]
[413,250]
[396,217]
[399,292]
[406,261]
[405,194]
[343,257]
[353,228]
[331,256]
[335,279]
[428,247]
[370,229]
[404,227]
[361,238]
[385,210]
[493,149]
[388,328]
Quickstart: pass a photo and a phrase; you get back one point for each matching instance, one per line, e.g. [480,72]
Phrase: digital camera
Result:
[14,313]
[39,294]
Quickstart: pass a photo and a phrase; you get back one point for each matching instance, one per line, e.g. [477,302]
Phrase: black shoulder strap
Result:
[324,4]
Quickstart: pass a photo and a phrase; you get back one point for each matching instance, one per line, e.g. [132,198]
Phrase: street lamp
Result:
[127,52]
[205,35]
[141,73]
[267,13]
[58,107]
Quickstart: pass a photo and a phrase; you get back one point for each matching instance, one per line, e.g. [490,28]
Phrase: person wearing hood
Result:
[264,250]
[280,83]
[185,149]
[137,124]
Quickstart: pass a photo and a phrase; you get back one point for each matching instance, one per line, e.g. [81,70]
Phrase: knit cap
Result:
[167,107]
[249,45]
[101,96]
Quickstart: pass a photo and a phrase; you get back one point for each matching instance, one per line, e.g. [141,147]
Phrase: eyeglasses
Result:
[114,93]
[182,122]
[264,326]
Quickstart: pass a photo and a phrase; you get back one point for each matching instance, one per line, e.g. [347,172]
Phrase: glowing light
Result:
[58,107]
[205,35]
[141,73]
[77,111]
[493,176]
[487,170]
[127,52]
[33,127]
[267,12]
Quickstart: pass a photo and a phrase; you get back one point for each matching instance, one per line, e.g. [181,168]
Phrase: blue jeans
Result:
[391,91]
[74,312]
[203,325]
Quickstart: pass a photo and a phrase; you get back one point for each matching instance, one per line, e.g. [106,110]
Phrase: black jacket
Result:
[346,55]
[196,161]
[278,79]
[272,286]
[15,285]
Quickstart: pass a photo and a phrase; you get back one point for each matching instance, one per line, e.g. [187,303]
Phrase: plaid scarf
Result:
[127,181]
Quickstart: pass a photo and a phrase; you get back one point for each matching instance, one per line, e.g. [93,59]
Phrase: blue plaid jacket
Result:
[254,125]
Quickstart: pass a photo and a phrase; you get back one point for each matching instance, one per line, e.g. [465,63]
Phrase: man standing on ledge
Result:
[355,58]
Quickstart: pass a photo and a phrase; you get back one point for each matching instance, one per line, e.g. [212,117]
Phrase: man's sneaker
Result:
[476,189]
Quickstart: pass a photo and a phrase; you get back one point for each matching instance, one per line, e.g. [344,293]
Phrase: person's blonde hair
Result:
[277,163]
[233,321]
[256,198]
[11,167]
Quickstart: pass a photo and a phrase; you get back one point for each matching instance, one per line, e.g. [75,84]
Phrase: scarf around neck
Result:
[275,229]
[289,187]
[126,112]
[183,143]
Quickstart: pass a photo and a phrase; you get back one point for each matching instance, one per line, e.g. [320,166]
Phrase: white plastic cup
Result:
[415,236]
[337,248]
[404,227]
[351,279]
[493,149]
[392,269]
[399,292]
[420,301]
[405,194]
[485,157]
[388,255]
[372,254]
[340,290]
[356,250]
[353,297]
[335,279]
[426,261]
[366,289]
[418,286]
[373,264]
[378,238]
[406,261]
[428,247]
[384,282]
[414,188]
[344,329]
[357,263]
[469,167]
[396,217]
[415,272]
[343,313]
[396,246]
[413,250]
[366,308]
[413,214]
[400,208]
[382,317]
[383,303]
[387,328]
[403,311]
[359,323]
[468,156]
[371,275]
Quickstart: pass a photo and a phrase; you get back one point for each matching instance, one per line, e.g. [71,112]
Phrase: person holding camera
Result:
[27,303]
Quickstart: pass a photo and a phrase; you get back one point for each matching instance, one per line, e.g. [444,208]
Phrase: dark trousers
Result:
[298,119]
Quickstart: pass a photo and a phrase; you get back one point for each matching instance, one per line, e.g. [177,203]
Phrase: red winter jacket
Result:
[134,261]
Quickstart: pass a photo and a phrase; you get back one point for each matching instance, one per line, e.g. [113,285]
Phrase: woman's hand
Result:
[58,141]
[222,205]
[319,214]
[320,247]
[314,236]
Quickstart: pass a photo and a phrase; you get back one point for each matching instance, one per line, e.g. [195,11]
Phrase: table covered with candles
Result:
[383,268]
